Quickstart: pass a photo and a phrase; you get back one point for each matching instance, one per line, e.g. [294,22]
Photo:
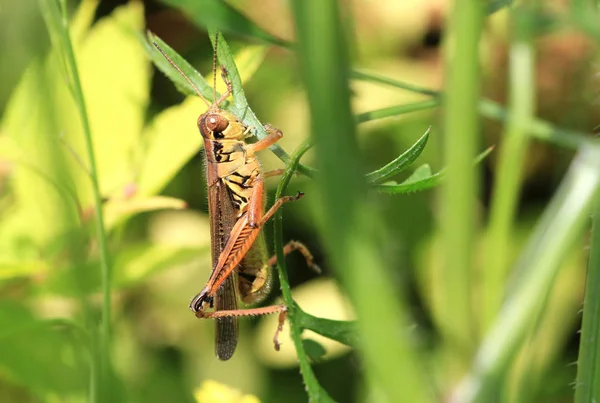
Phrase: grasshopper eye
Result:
[216,123]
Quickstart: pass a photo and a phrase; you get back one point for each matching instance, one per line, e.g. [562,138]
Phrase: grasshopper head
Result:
[221,125]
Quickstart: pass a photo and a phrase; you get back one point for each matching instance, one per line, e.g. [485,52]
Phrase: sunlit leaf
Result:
[172,139]
[117,210]
[115,77]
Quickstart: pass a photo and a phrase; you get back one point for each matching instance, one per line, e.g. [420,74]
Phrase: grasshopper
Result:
[236,207]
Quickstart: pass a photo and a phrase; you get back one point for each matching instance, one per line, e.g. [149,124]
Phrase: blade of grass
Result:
[315,392]
[349,229]
[538,128]
[587,387]
[509,169]
[458,207]
[396,110]
[551,241]
[55,17]
[163,65]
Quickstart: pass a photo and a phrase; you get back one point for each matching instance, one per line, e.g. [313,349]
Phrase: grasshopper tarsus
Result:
[197,302]
[282,317]
[270,129]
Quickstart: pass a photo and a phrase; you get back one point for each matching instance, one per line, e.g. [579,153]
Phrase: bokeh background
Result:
[154,197]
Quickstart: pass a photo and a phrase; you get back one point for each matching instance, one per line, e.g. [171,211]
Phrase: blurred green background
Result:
[151,179]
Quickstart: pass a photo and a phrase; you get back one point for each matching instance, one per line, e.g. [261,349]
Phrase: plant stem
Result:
[458,218]
[352,234]
[509,169]
[57,21]
[315,392]
[587,387]
[546,249]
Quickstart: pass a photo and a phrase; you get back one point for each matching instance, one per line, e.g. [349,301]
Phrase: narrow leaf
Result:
[401,163]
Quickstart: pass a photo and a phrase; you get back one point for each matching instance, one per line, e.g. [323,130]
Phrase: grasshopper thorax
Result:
[221,125]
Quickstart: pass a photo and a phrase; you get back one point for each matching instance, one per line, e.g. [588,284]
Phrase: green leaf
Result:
[171,72]
[587,386]
[314,350]
[35,354]
[422,178]
[401,163]
[339,330]
[118,210]
[397,110]
[218,14]
[172,140]
[138,262]
[497,5]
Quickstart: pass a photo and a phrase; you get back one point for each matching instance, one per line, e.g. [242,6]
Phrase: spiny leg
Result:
[292,246]
[266,310]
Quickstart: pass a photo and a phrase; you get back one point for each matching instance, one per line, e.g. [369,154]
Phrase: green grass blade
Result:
[551,241]
[511,160]
[458,209]
[538,128]
[171,72]
[217,14]
[587,387]
[362,75]
[401,163]
[397,110]
[56,22]
[349,230]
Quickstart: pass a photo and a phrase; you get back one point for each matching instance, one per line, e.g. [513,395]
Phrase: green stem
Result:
[57,21]
[587,387]
[396,110]
[315,392]
[538,128]
[458,218]
[509,171]
[537,267]
[352,234]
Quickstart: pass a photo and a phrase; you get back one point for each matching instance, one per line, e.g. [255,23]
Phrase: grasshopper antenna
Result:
[215,66]
[208,104]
